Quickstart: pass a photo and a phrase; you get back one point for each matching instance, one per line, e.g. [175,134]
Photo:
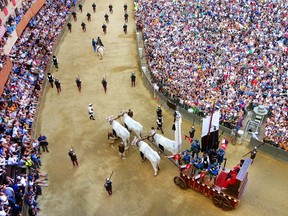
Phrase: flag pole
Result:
[207,143]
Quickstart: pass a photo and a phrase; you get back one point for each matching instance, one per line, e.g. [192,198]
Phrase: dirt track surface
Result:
[65,121]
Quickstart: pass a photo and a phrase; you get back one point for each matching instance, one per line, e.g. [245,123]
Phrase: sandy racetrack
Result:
[65,121]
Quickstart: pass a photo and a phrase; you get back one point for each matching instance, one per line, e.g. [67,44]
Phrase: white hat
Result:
[256,133]
[90,104]
[71,150]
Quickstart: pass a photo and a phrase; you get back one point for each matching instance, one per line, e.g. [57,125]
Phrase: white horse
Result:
[121,131]
[100,51]
[164,143]
[149,153]
[131,124]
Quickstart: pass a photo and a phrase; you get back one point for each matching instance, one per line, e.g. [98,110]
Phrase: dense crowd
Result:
[233,53]
[10,26]
[18,149]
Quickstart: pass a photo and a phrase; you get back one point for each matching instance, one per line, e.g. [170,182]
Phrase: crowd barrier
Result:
[269,149]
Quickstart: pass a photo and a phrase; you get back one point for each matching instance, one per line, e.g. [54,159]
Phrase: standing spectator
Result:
[78,83]
[74,14]
[94,7]
[58,85]
[43,143]
[121,149]
[159,122]
[125,28]
[104,84]
[55,62]
[125,8]
[88,16]
[106,17]
[69,25]
[91,111]
[110,8]
[133,79]
[83,25]
[130,113]
[104,28]
[73,157]
[50,78]
[108,186]
[80,6]
[94,45]
[126,17]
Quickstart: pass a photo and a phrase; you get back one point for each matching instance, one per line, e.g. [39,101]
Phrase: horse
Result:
[100,51]
[120,131]
[148,153]
[131,124]
[164,143]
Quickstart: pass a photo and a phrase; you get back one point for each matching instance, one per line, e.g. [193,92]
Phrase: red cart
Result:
[225,198]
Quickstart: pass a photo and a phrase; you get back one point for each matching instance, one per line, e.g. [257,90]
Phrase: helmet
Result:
[71,150]
[108,179]
[90,104]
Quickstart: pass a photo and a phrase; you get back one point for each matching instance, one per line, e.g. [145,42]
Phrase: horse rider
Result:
[125,8]
[125,28]
[99,42]
[106,17]
[104,28]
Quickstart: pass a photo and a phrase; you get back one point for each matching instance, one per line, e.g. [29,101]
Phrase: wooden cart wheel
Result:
[180,182]
[221,202]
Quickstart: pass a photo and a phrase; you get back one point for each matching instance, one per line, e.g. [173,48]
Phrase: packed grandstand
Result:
[234,52]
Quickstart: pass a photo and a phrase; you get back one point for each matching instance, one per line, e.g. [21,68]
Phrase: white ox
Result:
[163,142]
[131,124]
[121,131]
[148,153]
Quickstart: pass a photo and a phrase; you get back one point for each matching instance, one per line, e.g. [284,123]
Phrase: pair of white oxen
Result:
[137,128]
